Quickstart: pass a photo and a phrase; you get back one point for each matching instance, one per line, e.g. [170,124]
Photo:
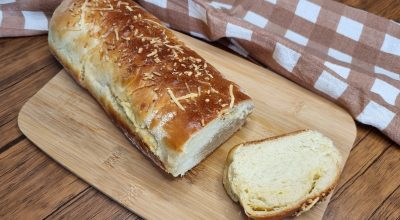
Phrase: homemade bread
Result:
[171,104]
[282,176]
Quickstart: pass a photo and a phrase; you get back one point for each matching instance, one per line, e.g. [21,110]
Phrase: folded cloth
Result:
[344,54]
[25,17]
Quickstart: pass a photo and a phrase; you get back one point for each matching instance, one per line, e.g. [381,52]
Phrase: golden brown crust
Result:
[132,136]
[115,116]
[298,209]
[295,210]
[152,65]
[143,65]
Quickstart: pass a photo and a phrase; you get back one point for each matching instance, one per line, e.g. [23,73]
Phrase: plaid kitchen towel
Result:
[347,55]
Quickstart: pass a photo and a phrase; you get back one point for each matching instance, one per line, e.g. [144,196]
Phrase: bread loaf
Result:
[282,176]
[171,104]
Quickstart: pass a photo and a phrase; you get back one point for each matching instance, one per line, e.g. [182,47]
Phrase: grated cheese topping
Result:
[232,96]
[174,99]
[187,96]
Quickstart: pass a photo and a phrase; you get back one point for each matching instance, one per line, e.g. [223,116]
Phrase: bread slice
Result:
[282,176]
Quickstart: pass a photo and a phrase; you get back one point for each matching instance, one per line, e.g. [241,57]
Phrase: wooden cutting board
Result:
[66,123]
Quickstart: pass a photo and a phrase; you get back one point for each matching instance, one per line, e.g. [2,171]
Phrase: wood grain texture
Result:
[390,208]
[386,8]
[31,184]
[363,155]
[62,118]
[35,56]
[9,132]
[92,204]
[12,99]
[362,132]
[381,184]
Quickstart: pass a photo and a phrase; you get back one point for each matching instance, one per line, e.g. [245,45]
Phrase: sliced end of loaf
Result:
[282,176]
[204,142]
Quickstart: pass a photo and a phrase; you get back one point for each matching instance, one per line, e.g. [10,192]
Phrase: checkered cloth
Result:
[347,55]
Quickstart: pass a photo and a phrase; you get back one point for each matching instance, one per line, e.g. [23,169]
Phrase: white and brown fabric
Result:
[347,55]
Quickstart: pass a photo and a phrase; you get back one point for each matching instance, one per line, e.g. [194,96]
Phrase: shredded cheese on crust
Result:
[232,96]
[174,99]
[157,73]
[152,53]
[116,34]
[187,87]
[190,95]
[119,3]
[129,8]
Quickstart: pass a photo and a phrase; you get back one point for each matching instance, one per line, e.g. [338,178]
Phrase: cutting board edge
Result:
[24,113]
[339,111]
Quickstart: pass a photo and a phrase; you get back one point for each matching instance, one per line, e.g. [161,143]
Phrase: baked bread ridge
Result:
[295,208]
[171,104]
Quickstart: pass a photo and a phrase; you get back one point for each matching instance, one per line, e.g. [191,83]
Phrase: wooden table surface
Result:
[33,186]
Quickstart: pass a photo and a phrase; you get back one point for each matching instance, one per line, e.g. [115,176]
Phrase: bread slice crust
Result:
[296,209]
